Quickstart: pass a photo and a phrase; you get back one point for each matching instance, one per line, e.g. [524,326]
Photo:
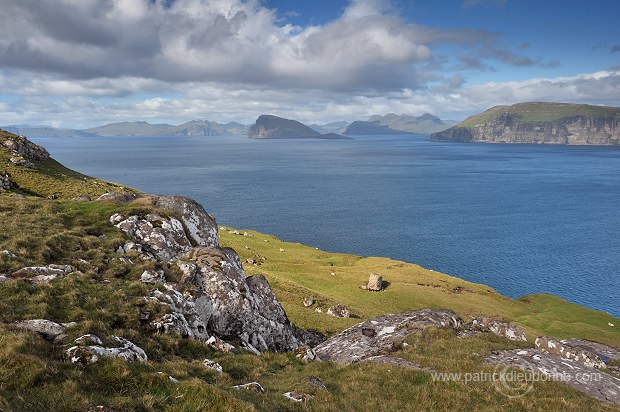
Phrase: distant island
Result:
[539,123]
[392,123]
[274,127]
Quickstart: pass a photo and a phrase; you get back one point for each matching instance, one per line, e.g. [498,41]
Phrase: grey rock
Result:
[43,274]
[126,350]
[8,254]
[21,162]
[23,147]
[252,386]
[219,345]
[84,198]
[309,301]
[5,182]
[497,327]
[153,276]
[375,283]
[119,197]
[315,381]
[162,238]
[298,396]
[352,345]
[567,351]
[51,331]
[339,311]
[539,363]
[208,363]
[201,227]
[187,315]
[88,339]
[604,352]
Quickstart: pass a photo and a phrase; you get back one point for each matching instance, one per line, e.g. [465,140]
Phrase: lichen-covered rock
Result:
[309,301]
[43,274]
[566,351]
[375,283]
[219,345]
[298,396]
[21,146]
[51,331]
[542,365]
[153,276]
[389,332]
[162,238]
[21,162]
[5,182]
[604,352]
[188,316]
[119,197]
[339,311]
[125,350]
[201,227]
[239,307]
[497,327]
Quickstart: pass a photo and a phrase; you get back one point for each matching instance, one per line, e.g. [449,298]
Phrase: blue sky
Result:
[79,64]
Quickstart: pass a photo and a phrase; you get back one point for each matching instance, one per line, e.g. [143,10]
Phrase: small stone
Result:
[318,309]
[219,345]
[610,324]
[252,386]
[309,301]
[339,311]
[375,282]
[298,396]
[315,381]
[281,250]
[208,363]
[8,254]
[246,234]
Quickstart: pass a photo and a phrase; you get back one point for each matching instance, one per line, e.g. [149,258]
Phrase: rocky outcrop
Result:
[564,350]
[5,182]
[90,349]
[273,127]
[604,352]
[23,147]
[540,365]
[20,161]
[483,324]
[51,331]
[382,335]
[542,123]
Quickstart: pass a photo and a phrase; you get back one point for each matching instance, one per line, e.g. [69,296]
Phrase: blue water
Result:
[522,219]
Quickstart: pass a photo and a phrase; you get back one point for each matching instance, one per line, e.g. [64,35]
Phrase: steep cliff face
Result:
[539,123]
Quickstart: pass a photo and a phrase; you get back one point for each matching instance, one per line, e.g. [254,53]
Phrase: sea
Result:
[522,219]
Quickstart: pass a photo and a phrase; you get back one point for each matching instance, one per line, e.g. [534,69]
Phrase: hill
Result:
[44,131]
[130,129]
[274,127]
[191,128]
[398,124]
[122,304]
[540,123]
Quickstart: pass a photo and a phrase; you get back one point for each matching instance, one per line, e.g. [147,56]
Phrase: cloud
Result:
[615,48]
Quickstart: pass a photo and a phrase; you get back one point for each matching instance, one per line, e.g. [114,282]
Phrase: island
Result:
[274,127]
[539,123]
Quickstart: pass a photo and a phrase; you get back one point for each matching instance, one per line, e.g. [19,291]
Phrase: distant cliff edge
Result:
[274,127]
[539,123]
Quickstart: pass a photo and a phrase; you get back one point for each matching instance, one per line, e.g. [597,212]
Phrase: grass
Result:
[542,112]
[106,298]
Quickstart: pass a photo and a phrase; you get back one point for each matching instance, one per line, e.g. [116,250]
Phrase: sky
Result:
[83,63]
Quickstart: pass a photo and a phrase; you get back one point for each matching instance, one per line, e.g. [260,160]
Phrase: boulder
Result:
[119,197]
[564,350]
[5,182]
[309,301]
[126,350]
[541,365]
[498,327]
[238,307]
[201,227]
[51,331]
[390,331]
[375,283]
[153,276]
[160,237]
[339,311]
[298,396]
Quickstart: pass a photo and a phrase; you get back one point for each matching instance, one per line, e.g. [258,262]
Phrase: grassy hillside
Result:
[106,298]
[538,112]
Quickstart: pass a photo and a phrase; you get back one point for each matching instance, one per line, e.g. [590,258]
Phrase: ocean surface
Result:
[520,218]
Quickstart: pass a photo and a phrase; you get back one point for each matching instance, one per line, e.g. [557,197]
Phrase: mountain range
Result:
[392,123]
